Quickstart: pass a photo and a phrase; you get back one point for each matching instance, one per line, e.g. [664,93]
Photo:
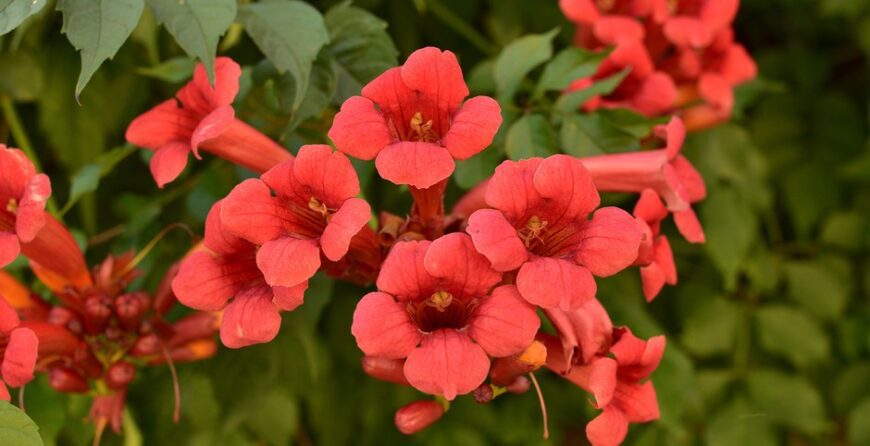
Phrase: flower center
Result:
[318,206]
[441,310]
[532,231]
[422,129]
[12,206]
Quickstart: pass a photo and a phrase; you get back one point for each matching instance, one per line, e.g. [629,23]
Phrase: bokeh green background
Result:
[768,330]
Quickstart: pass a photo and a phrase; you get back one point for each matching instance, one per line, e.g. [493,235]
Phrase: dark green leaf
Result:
[789,400]
[87,179]
[22,76]
[175,70]
[586,135]
[569,103]
[851,384]
[472,171]
[859,428]
[807,197]
[16,428]
[13,12]
[290,34]
[788,332]
[730,226]
[845,230]
[360,42]
[711,327]
[98,28]
[196,25]
[569,65]
[321,89]
[740,423]
[518,59]
[817,287]
[630,121]
[528,137]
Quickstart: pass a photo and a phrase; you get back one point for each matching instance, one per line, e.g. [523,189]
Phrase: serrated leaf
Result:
[98,28]
[788,332]
[196,25]
[518,59]
[586,135]
[817,287]
[788,399]
[569,65]
[290,34]
[13,12]
[528,137]
[569,103]
[16,428]
[730,226]
[360,42]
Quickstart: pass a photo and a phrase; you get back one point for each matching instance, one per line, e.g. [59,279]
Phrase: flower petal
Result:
[395,100]
[653,280]
[221,241]
[549,282]
[497,239]
[657,95]
[586,330]
[612,30]
[512,189]
[637,358]
[9,248]
[664,258]
[609,242]
[403,273]
[504,324]
[16,170]
[19,359]
[325,174]
[383,328]
[359,129]
[447,363]
[437,75]
[568,187]
[637,401]
[453,259]
[688,32]
[8,316]
[288,261]
[200,95]
[351,217]
[689,226]
[609,428]
[579,11]
[211,126]
[417,164]
[251,212]
[168,162]
[163,124]
[289,298]
[716,90]
[473,127]
[205,282]
[251,318]
[30,217]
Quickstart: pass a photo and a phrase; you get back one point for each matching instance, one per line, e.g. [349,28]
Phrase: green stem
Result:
[16,128]
[467,31]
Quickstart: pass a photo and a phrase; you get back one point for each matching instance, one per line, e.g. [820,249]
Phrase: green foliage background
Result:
[768,331]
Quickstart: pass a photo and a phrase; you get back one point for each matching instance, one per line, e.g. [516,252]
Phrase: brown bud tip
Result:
[65,379]
[418,416]
[520,385]
[384,369]
[535,356]
[483,394]
[120,375]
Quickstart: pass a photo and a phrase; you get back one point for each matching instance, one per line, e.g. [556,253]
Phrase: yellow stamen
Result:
[422,129]
[12,206]
[440,300]
[317,206]
[533,229]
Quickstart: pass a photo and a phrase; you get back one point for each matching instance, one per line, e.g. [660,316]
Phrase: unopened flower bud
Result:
[130,308]
[384,369]
[520,385]
[120,375]
[85,361]
[505,370]
[98,310]
[418,416]
[64,317]
[146,346]
[65,379]
[483,394]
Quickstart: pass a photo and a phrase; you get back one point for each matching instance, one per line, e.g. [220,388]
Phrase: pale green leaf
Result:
[586,135]
[788,399]
[569,103]
[16,428]
[788,332]
[528,137]
[518,59]
[569,65]
[13,12]
[730,226]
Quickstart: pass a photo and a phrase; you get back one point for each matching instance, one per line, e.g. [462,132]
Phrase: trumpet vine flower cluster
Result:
[456,297]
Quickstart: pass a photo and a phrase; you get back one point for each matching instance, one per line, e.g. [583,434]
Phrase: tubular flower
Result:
[539,224]
[665,171]
[655,258]
[617,381]
[314,210]
[20,346]
[436,306]
[23,194]
[227,269]
[201,116]
[585,332]
[412,119]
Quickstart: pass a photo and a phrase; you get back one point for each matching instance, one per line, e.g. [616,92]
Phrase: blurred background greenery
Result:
[768,330]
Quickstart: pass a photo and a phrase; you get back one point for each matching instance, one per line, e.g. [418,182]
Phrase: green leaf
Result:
[586,135]
[87,179]
[789,400]
[22,76]
[273,417]
[472,171]
[175,70]
[630,121]
[16,428]
[845,230]
[790,333]
[321,89]
[569,103]
[196,25]
[528,137]
[13,12]
[817,287]
[290,34]
[859,428]
[711,327]
[360,42]
[569,65]
[518,59]
[730,226]
[739,422]
[808,197]
[851,384]
[98,28]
